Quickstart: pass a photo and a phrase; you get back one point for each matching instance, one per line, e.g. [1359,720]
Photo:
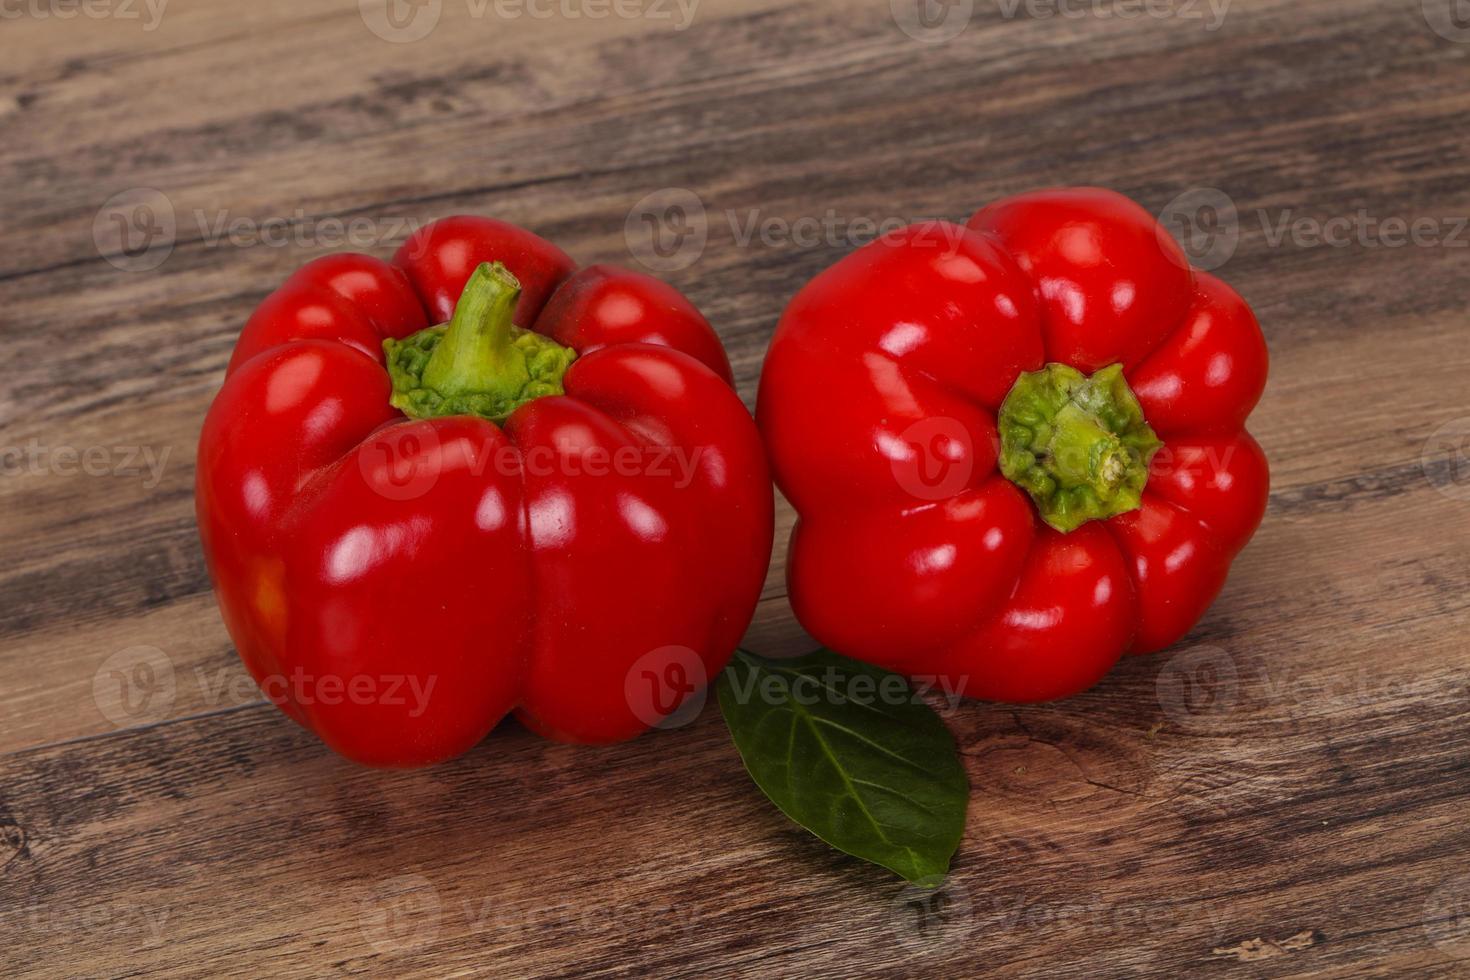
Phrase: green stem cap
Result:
[479,363]
[1078,445]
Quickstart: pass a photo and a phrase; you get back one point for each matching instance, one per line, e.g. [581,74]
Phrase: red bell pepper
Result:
[1016,448]
[567,512]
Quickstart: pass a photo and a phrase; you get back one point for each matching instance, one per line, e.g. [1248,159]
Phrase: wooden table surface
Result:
[1284,794]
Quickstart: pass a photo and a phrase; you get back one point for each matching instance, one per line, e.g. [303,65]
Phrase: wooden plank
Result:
[1310,823]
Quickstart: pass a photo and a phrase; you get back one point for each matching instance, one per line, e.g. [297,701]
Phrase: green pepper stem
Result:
[476,354]
[1081,452]
[480,363]
[1078,445]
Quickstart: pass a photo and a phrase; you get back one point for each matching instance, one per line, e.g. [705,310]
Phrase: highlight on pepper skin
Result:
[1020,456]
[484,471]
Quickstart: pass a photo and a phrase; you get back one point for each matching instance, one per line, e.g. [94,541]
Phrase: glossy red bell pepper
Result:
[572,521]
[1016,448]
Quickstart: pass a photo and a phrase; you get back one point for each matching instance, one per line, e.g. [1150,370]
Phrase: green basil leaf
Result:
[852,754]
